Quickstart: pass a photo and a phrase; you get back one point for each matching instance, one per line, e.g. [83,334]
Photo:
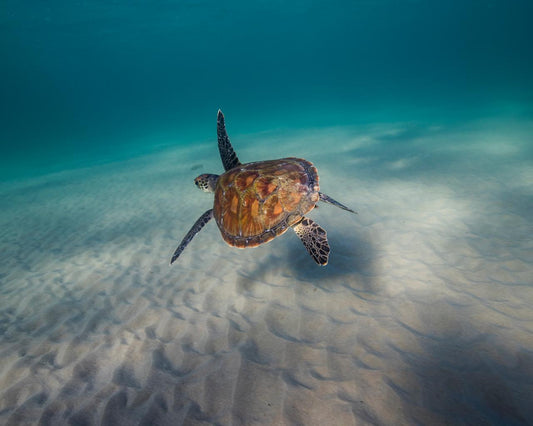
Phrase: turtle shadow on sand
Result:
[352,264]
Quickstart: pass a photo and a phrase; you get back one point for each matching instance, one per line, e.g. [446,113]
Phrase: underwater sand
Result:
[423,315]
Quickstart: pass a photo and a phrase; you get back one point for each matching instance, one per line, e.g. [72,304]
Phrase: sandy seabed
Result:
[423,315]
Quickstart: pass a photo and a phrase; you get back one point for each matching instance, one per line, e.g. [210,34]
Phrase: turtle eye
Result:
[200,183]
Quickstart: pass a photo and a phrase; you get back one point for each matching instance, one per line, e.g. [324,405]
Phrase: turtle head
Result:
[206,182]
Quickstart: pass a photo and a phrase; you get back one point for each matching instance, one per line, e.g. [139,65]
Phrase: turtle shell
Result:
[257,202]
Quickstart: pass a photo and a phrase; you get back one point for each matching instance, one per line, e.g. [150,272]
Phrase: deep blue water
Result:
[84,82]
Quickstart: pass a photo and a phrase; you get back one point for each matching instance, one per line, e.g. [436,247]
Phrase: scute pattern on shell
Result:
[257,202]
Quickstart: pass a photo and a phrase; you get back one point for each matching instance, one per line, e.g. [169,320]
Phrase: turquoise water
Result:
[85,82]
[417,114]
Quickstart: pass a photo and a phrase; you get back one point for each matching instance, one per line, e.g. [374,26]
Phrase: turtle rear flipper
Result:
[327,199]
[227,154]
[198,225]
[315,240]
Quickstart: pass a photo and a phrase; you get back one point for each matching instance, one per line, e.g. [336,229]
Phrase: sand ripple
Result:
[422,317]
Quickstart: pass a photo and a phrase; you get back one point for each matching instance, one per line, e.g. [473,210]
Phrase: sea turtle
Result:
[257,202]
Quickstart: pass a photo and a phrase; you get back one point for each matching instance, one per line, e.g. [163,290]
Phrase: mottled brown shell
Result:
[256,202]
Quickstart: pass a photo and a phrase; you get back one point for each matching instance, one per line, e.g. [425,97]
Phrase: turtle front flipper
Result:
[228,156]
[315,240]
[327,199]
[199,224]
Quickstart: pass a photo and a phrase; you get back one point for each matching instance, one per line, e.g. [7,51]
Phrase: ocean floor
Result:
[423,315]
